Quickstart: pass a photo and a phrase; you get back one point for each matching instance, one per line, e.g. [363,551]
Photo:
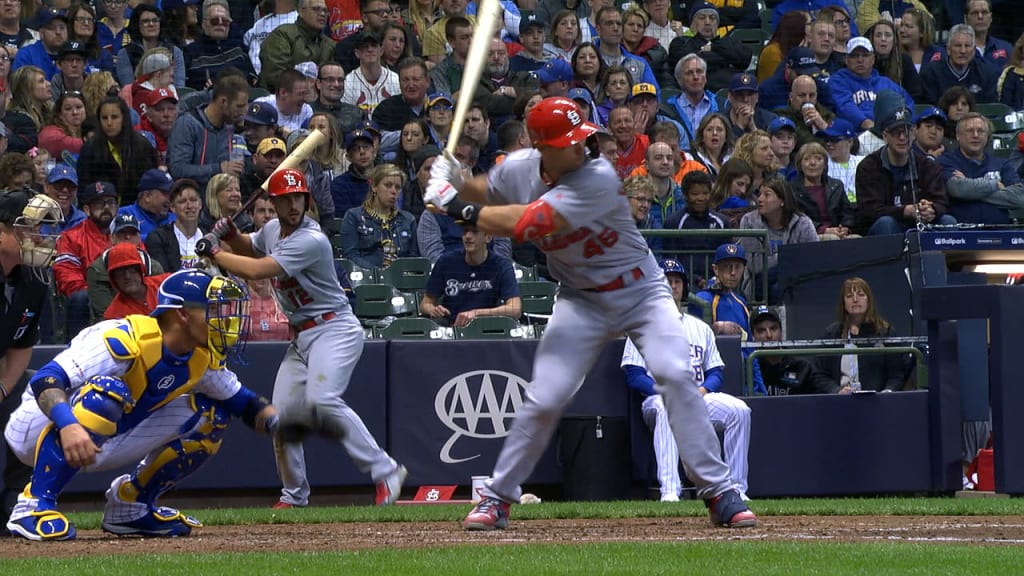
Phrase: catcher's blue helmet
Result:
[671,266]
[226,303]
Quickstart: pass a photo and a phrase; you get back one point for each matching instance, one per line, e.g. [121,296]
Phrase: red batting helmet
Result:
[288,181]
[558,122]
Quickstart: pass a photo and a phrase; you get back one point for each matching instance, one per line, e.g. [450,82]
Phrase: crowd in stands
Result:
[148,122]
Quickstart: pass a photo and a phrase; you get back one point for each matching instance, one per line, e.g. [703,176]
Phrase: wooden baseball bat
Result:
[303,152]
[487,17]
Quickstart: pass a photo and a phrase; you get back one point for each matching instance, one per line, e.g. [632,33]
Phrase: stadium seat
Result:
[335,244]
[1004,144]
[331,226]
[412,329]
[752,38]
[766,21]
[376,301]
[358,275]
[257,92]
[994,111]
[538,299]
[407,274]
[485,327]
[525,273]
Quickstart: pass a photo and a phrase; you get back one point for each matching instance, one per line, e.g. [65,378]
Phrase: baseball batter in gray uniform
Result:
[570,206]
[327,343]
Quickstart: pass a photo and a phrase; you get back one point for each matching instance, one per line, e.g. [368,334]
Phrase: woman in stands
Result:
[730,194]
[395,46]
[182,21]
[822,198]
[756,148]
[116,153]
[779,213]
[956,103]
[329,155]
[857,316]
[588,68]
[318,179]
[890,61]
[790,33]
[28,109]
[421,15]
[634,24]
[377,233]
[565,36]
[147,32]
[82,28]
[95,89]
[224,198]
[1011,82]
[415,134]
[64,131]
[917,36]
[615,88]
[714,142]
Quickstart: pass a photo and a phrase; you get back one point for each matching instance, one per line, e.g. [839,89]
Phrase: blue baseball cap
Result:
[781,123]
[929,113]
[262,113]
[701,7]
[437,97]
[556,70]
[671,266]
[48,14]
[801,60]
[62,172]
[582,94]
[743,82]
[762,312]
[123,220]
[530,20]
[357,134]
[154,179]
[839,129]
[730,252]
[96,190]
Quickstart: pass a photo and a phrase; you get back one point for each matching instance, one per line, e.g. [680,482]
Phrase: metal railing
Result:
[921,361]
[688,257]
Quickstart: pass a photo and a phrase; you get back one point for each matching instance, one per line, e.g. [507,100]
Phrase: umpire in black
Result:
[25,257]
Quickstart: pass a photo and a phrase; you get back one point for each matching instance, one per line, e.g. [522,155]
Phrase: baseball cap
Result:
[72,47]
[801,60]
[730,252]
[357,134]
[859,42]
[307,69]
[556,70]
[124,254]
[781,123]
[896,118]
[642,89]
[12,204]
[929,113]
[62,172]
[95,191]
[268,144]
[743,82]
[530,20]
[123,220]
[371,127]
[154,179]
[262,113]
[365,38]
[839,129]
[439,97]
[701,7]
[48,14]
[426,151]
[763,312]
[154,97]
[583,94]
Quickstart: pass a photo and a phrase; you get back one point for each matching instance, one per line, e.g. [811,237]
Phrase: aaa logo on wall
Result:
[479,404]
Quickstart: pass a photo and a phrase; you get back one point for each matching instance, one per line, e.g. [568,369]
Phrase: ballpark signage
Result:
[478,404]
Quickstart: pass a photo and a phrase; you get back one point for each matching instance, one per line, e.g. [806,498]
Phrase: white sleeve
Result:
[711,359]
[87,355]
[631,356]
[219,384]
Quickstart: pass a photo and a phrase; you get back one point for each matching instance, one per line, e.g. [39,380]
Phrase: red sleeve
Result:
[68,269]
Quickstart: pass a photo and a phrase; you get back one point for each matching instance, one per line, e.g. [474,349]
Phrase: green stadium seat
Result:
[407,274]
[525,273]
[412,329]
[376,301]
[358,275]
[487,327]
[538,299]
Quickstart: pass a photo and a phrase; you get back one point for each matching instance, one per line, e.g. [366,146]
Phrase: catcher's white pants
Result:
[727,413]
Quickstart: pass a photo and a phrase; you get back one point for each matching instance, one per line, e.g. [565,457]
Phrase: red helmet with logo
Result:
[558,122]
[289,181]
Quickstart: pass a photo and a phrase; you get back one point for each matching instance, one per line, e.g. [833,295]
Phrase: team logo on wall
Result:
[479,404]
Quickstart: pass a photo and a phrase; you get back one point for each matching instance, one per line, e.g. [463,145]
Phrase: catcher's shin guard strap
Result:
[51,473]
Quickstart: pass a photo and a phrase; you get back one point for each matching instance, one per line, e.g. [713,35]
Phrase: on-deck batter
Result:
[728,413]
[328,340]
[570,206]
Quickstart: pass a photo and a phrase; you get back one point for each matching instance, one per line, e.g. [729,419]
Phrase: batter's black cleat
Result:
[728,510]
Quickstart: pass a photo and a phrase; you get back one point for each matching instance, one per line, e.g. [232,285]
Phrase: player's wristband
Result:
[62,416]
[464,212]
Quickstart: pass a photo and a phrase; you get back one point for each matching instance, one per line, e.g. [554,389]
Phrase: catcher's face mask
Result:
[227,318]
[37,248]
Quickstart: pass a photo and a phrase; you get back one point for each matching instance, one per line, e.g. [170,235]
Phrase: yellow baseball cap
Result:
[645,88]
[269,144]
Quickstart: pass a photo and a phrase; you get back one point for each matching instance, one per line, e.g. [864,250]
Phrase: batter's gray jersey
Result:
[603,243]
[309,289]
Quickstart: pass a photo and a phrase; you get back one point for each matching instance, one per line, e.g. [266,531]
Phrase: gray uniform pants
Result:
[581,325]
[310,383]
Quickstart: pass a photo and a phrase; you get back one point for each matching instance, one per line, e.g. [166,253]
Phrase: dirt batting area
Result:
[979,530]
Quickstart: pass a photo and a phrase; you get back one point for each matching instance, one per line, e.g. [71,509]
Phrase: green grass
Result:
[718,558]
[629,509]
